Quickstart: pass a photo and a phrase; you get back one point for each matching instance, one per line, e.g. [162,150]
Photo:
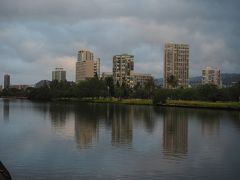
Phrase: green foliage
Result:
[92,88]
[201,93]
[160,96]
[110,86]
[208,92]
[14,92]
[172,81]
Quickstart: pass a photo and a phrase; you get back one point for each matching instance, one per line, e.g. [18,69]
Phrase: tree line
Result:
[91,88]
[206,92]
[96,88]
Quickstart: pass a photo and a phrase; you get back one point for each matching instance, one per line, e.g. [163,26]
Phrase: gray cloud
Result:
[36,36]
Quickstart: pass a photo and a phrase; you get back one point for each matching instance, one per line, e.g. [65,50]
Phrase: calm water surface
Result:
[102,141]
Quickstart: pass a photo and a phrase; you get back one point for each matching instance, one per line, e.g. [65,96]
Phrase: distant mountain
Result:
[229,79]
[195,81]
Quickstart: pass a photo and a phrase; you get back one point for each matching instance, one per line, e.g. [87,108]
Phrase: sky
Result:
[37,36]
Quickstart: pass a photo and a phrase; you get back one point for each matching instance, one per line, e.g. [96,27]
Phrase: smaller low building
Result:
[106,75]
[140,78]
[20,86]
[211,76]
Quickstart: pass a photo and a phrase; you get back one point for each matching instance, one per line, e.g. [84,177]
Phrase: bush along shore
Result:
[105,91]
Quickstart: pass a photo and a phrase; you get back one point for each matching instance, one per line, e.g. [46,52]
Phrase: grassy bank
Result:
[203,104]
[173,103]
[124,101]
[109,100]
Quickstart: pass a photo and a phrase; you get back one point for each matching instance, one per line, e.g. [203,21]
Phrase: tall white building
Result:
[59,74]
[176,63]
[123,65]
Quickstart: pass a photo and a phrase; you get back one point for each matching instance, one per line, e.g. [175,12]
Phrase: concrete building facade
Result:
[59,74]
[85,55]
[123,65]
[176,63]
[211,76]
[140,78]
[6,81]
[86,66]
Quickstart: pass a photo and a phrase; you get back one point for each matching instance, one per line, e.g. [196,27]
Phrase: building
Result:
[97,67]
[176,63]
[86,66]
[123,65]
[59,74]
[0,88]
[140,78]
[20,86]
[6,81]
[211,76]
[107,75]
[175,133]
[85,55]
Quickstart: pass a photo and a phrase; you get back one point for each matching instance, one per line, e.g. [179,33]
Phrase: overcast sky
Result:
[37,36]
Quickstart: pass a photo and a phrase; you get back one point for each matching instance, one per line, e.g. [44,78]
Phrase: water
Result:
[102,141]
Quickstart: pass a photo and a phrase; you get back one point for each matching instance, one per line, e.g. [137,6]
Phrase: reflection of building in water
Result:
[62,119]
[86,129]
[210,126]
[122,125]
[6,109]
[175,132]
[58,113]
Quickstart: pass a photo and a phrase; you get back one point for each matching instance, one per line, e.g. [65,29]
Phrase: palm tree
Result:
[172,81]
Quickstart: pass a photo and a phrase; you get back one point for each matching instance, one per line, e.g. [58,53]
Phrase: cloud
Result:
[37,36]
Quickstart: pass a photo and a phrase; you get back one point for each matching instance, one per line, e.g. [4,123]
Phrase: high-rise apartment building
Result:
[59,74]
[97,67]
[123,65]
[176,63]
[85,55]
[211,76]
[86,66]
[6,81]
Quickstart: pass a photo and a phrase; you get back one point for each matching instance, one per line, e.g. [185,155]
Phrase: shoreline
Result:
[171,103]
[148,102]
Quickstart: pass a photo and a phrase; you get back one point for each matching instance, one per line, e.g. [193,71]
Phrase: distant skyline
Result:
[37,36]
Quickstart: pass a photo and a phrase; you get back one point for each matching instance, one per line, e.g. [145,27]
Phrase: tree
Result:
[172,81]
[208,92]
[160,96]
[110,85]
[149,87]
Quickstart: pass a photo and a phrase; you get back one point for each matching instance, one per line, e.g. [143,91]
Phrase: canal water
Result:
[106,141]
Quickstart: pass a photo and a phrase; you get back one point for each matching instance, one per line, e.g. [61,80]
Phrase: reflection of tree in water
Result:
[210,120]
[6,109]
[235,116]
[148,119]
[175,132]
[86,124]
